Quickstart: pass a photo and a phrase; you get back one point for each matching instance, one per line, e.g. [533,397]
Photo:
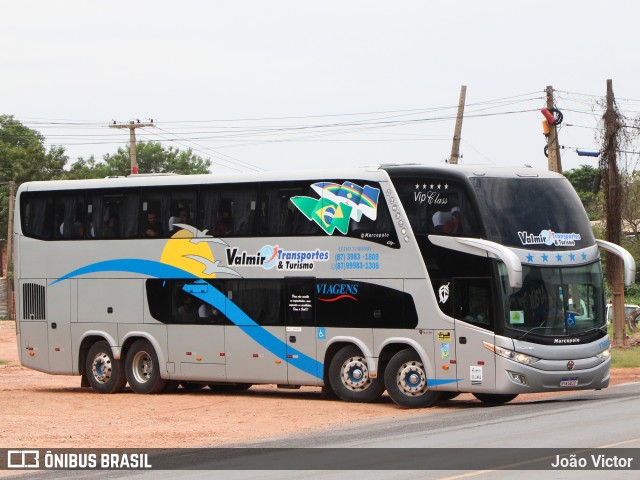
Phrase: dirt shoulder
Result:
[38,410]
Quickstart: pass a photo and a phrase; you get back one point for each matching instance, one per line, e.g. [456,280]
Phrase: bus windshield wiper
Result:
[540,327]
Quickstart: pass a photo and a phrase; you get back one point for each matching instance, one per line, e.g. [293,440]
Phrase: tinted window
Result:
[170,301]
[260,300]
[113,214]
[37,215]
[337,207]
[341,303]
[534,213]
[279,216]
[229,211]
[437,206]
[69,216]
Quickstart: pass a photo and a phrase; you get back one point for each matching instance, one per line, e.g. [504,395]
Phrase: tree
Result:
[630,208]
[152,157]
[585,181]
[23,157]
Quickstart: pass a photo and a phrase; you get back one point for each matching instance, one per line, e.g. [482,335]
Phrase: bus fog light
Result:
[518,378]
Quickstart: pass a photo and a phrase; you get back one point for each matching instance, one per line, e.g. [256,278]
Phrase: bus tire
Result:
[104,373]
[406,381]
[143,369]
[349,377]
[495,398]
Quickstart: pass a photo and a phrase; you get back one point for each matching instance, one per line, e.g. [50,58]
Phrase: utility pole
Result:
[132,139]
[12,187]
[613,215]
[553,144]
[455,148]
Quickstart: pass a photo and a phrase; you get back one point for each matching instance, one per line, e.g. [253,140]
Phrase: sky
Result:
[262,85]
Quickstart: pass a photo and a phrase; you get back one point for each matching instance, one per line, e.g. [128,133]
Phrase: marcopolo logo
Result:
[272,256]
[549,237]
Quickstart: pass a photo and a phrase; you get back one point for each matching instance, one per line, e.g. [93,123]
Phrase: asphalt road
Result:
[469,441]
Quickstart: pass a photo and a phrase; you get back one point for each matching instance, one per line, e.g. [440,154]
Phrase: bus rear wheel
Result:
[495,398]
[104,373]
[143,369]
[406,381]
[349,377]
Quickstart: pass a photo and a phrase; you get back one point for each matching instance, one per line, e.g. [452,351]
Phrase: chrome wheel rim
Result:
[355,374]
[412,379]
[101,368]
[142,367]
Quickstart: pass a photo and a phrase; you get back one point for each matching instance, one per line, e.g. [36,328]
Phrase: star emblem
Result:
[529,258]
[545,257]
[559,257]
[572,257]
[584,256]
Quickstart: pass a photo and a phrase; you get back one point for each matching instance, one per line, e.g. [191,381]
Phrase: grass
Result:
[625,357]
[3,362]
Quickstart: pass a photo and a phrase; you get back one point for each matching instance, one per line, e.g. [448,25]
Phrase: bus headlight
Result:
[511,355]
[603,355]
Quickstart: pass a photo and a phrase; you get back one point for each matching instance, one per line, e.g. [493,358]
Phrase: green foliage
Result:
[584,180]
[625,357]
[23,157]
[154,158]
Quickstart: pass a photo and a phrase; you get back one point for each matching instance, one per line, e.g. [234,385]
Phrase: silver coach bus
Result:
[422,281]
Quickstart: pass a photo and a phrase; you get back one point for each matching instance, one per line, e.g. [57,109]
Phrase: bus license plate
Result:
[569,382]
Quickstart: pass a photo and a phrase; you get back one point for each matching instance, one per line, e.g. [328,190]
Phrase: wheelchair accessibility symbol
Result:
[322,333]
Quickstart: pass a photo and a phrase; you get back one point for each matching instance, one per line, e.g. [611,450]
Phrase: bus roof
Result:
[376,172]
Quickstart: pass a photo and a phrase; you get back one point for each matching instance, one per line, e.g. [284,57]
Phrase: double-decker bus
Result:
[422,281]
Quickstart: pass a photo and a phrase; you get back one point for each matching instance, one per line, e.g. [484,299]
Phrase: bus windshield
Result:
[540,213]
[556,301]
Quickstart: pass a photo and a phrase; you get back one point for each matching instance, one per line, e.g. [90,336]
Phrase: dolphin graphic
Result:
[212,267]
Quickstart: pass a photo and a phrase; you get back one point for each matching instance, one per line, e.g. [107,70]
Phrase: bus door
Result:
[474,323]
[255,343]
[301,334]
[59,305]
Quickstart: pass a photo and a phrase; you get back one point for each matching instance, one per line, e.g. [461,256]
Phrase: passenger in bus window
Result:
[454,225]
[224,226]
[112,227]
[183,218]
[188,311]
[152,227]
[77,230]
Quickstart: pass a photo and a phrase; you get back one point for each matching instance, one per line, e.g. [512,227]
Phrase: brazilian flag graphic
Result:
[329,215]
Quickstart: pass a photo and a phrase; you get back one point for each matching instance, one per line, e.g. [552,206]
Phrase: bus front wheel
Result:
[406,381]
[104,373]
[349,377]
[495,398]
[143,369]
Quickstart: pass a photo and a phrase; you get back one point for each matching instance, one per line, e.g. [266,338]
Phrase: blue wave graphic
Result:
[149,268]
[214,298]
[260,335]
